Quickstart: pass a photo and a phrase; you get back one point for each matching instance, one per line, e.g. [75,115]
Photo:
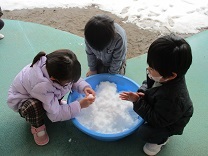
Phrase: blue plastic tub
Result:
[123,84]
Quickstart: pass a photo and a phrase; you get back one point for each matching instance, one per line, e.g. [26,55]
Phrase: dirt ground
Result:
[73,20]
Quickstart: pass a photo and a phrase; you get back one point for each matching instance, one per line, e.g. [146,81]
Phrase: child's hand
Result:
[88,91]
[91,73]
[131,96]
[88,100]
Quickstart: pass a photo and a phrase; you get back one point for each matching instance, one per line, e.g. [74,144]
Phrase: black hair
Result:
[99,31]
[61,64]
[37,57]
[170,54]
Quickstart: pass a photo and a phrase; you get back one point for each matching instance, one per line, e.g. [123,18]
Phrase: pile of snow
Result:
[108,114]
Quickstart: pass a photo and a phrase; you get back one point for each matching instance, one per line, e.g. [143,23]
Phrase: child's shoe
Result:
[1,36]
[40,135]
[153,149]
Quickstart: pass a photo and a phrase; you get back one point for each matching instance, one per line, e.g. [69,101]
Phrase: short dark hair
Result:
[63,65]
[99,31]
[170,54]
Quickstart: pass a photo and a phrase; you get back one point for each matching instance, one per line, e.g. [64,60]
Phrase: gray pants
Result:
[101,68]
[153,135]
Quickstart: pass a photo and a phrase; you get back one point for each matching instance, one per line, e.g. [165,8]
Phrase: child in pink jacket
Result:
[39,87]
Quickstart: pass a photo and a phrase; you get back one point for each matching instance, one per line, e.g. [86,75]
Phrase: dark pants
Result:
[32,110]
[153,135]
[1,24]
[104,69]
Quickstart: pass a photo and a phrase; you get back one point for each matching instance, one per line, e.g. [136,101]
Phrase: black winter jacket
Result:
[168,106]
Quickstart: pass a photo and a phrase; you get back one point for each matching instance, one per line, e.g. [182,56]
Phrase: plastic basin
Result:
[123,84]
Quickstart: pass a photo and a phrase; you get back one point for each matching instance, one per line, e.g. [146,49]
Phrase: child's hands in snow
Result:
[131,96]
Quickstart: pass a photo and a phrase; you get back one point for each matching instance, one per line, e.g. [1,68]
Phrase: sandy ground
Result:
[73,20]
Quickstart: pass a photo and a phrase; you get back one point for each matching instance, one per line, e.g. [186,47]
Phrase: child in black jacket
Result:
[163,100]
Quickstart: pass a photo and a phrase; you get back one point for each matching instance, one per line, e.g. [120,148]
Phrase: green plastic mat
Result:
[24,40]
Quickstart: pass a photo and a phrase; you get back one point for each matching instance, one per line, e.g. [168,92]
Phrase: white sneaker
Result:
[1,36]
[153,149]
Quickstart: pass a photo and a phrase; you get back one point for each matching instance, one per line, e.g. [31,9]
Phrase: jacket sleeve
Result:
[146,84]
[91,58]
[164,113]
[54,111]
[118,57]
[143,87]
[80,85]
